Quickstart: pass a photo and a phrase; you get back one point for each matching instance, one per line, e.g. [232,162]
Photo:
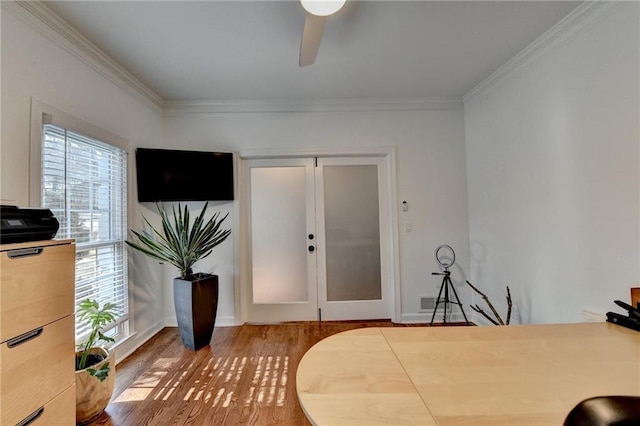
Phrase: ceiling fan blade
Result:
[311,36]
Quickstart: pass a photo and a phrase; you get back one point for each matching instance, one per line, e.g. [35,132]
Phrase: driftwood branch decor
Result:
[498,319]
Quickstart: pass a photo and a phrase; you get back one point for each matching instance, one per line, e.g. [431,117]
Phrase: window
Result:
[84,183]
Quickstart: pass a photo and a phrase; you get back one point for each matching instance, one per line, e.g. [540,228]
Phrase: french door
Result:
[319,248]
[282,286]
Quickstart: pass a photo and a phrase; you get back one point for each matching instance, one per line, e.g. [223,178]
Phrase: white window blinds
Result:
[84,183]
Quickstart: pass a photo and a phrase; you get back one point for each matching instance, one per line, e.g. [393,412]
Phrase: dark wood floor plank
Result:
[245,377]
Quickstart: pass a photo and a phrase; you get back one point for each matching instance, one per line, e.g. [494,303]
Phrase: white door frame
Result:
[242,296]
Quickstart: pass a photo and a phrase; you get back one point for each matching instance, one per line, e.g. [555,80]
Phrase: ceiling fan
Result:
[317,11]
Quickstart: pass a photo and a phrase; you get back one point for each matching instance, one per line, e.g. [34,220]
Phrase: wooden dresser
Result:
[37,375]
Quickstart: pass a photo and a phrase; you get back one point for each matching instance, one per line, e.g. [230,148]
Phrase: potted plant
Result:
[182,244]
[95,369]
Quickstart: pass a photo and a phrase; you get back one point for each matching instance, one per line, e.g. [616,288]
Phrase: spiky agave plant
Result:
[180,243]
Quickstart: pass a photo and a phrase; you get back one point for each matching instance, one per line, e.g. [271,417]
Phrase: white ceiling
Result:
[248,50]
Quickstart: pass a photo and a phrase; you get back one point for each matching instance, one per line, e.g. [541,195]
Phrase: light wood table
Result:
[509,375]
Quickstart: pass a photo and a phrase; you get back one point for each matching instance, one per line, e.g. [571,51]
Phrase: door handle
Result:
[311,236]
[311,249]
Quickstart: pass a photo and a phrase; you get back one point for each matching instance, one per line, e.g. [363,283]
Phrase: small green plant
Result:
[180,243]
[91,314]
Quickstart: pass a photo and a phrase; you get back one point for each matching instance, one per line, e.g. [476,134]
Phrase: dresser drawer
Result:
[60,411]
[35,371]
[37,287]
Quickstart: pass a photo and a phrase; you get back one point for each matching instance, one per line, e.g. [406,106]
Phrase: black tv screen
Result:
[172,175]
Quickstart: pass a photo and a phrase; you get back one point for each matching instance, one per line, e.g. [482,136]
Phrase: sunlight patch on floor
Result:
[217,383]
[133,394]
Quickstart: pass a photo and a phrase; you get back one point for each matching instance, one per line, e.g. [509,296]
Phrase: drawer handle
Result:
[31,417]
[16,254]
[23,338]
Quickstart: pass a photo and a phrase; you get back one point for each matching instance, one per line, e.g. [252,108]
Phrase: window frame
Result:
[42,114]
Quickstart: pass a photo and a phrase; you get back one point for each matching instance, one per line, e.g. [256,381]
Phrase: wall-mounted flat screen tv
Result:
[172,175]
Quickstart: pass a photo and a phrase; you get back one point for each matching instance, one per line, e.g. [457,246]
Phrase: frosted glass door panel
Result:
[352,232]
[279,228]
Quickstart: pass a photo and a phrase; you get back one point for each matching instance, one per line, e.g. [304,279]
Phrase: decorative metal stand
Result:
[446,285]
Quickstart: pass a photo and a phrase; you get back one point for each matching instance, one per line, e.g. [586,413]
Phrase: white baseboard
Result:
[135,340]
[591,316]
[425,317]
[220,321]
[478,319]
[226,322]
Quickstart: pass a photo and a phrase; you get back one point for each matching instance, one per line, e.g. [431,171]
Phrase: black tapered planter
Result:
[196,304]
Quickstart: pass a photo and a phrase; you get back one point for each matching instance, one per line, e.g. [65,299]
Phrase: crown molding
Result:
[580,18]
[178,108]
[40,17]
[45,21]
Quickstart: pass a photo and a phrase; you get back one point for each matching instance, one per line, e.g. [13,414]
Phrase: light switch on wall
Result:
[407,227]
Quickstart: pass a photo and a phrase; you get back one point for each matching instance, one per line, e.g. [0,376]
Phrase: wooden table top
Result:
[494,375]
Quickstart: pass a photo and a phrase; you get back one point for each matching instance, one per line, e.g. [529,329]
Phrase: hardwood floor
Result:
[245,377]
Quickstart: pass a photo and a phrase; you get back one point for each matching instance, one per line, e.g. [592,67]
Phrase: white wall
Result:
[553,175]
[430,170]
[431,175]
[551,165]
[33,66]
